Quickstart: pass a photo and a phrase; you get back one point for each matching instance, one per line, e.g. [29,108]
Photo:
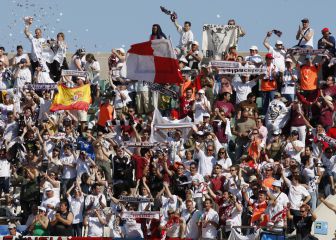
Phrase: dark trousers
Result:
[77,228]
[4,185]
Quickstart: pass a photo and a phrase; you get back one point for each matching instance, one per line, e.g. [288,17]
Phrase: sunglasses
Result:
[232,170]
[217,168]
[221,153]
[210,150]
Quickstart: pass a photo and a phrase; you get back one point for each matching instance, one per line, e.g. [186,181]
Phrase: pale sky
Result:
[101,25]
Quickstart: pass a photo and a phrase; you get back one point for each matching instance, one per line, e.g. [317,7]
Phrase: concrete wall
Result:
[325,214]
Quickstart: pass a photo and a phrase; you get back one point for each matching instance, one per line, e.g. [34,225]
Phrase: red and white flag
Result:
[153,61]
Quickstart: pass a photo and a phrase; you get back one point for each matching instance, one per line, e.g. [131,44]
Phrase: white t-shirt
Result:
[242,89]
[192,231]
[4,168]
[44,108]
[5,109]
[95,229]
[11,131]
[60,53]
[289,149]
[296,195]
[288,84]
[23,77]
[311,41]
[37,48]
[205,164]
[115,230]
[209,230]
[118,102]
[132,229]
[167,204]
[185,37]
[96,203]
[93,70]
[69,172]
[82,167]
[18,58]
[43,77]
[235,218]
[53,201]
[200,109]
[73,66]
[76,207]
[279,58]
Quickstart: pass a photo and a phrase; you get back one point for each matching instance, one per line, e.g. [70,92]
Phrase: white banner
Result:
[134,199]
[224,64]
[161,126]
[74,73]
[144,214]
[240,71]
[305,51]
[217,39]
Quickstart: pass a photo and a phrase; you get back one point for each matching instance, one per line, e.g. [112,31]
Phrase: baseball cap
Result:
[288,60]
[305,20]
[277,94]
[269,56]
[11,226]
[201,91]
[253,47]
[121,50]
[42,208]
[326,30]
[278,42]
[49,189]
[23,60]
[206,115]
[276,132]
[276,183]
[195,43]
[253,178]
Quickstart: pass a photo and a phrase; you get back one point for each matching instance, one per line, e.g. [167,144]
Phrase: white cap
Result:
[42,208]
[201,91]
[195,43]
[278,42]
[49,189]
[276,183]
[183,59]
[253,48]
[11,225]
[206,114]
[288,60]
[121,50]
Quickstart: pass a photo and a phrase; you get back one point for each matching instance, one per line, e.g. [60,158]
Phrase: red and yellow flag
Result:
[78,98]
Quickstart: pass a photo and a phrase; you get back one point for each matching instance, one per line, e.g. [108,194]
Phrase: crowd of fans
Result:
[63,173]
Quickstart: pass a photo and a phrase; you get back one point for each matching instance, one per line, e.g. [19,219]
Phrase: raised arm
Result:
[266,41]
[328,204]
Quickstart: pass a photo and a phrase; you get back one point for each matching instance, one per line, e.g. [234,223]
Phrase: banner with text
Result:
[241,71]
[144,214]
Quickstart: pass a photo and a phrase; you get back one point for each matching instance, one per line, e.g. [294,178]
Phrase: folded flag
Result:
[78,98]
[153,61]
